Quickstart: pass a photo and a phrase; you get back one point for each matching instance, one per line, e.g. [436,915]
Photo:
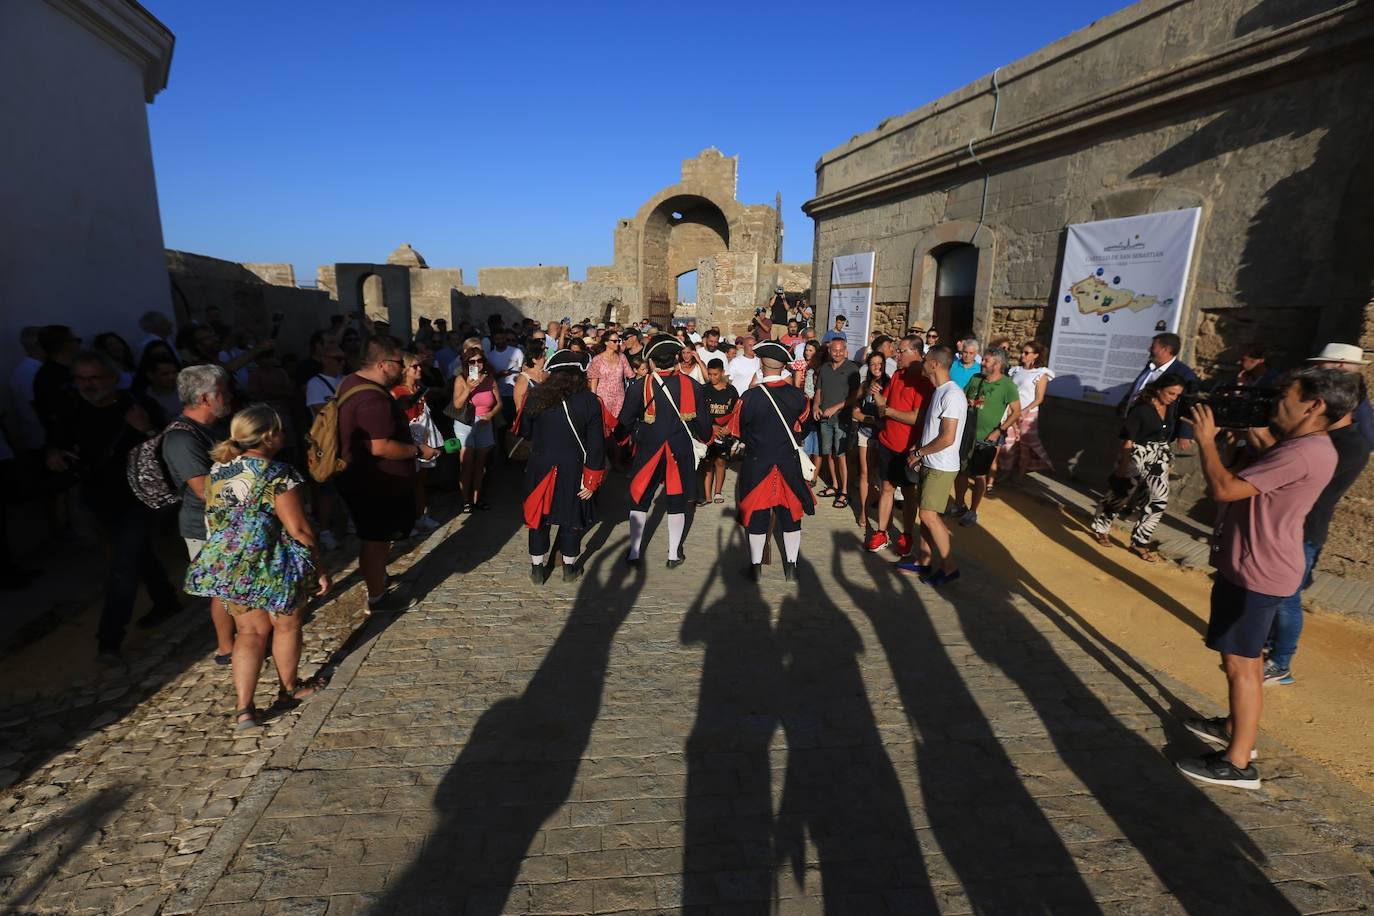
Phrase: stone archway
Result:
[677,234]
[381,290]
[925,272]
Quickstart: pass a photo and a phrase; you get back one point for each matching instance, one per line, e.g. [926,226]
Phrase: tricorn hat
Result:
[567,359]
[660,342]
[1340,353]
[771,349]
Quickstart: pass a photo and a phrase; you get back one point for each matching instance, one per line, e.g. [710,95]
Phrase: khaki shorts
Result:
[935,488]
[779,330]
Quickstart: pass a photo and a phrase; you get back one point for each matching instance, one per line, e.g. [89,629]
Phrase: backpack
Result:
[149,478]
[322,442]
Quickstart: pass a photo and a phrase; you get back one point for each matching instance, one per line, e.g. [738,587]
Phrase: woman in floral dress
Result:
[260,557]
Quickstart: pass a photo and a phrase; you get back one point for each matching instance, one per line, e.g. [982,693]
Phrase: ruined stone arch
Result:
[678,227]
[925,267]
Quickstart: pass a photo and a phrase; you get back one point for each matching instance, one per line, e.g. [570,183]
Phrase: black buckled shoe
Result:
[681,558]
[537,571]
[789,571]
[754,573]
[633,562]
[572,573]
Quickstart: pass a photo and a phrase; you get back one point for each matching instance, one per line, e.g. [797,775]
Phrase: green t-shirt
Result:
[997,397]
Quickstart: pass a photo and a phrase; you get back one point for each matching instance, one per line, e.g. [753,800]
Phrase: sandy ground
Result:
[1157,613]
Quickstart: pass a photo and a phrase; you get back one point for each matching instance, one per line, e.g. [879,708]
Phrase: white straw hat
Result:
[1340,353]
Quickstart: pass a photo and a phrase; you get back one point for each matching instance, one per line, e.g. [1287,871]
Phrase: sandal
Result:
[292,698]
[224,659]
[719,499]
[254,719]
[1104,539]
[1144,553]
[826,493]
[841,502]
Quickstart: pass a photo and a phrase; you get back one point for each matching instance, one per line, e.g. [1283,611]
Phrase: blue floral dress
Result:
[249,561]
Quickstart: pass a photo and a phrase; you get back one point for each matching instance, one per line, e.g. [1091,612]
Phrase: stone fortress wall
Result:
[1253,110]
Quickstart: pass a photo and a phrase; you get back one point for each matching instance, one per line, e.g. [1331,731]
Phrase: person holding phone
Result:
[477,405]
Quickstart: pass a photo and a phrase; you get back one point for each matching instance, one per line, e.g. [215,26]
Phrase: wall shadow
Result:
[995,837]
[520,762]
[1196,850]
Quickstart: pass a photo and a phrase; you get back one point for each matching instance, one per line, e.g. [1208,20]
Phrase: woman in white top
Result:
[1021,448]
[688,364]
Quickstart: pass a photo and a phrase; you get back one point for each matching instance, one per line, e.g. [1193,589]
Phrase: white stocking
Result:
[791,544]
[536,560]
[756,544]
[677,523]
[570,561]
[637,521]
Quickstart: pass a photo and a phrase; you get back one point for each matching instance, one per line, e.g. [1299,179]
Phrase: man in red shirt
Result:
[899,408]
[378,483]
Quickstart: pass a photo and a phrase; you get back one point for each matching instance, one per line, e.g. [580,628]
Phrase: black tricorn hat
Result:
[567,359]
[662,341]
[771,349]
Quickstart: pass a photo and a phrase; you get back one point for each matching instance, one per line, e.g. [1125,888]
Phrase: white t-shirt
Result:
[742,371]
[704,356]
[694,337]
[1026,380]
[321,388]
[948,402]
[512,360]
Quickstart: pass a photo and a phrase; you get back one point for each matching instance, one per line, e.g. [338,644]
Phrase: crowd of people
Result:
[272,458]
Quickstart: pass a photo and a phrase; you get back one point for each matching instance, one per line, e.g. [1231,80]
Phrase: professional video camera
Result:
[1235,406]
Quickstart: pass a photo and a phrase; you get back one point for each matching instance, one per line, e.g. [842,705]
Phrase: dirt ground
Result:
[1157,613]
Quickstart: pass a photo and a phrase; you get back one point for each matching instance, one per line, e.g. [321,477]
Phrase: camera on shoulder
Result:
[1235,406]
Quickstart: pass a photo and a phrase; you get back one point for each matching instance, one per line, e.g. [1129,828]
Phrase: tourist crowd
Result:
[272,457]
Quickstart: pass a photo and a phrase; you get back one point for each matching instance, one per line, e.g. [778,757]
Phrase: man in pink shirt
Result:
[1257,551]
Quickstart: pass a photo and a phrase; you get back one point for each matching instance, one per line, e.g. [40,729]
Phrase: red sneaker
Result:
[903,545]
[876,541]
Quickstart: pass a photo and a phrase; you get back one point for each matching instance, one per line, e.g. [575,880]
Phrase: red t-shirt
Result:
[366,416]
[414,411]
[908,390]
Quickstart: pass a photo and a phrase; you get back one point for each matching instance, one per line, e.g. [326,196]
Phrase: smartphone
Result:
[474,373]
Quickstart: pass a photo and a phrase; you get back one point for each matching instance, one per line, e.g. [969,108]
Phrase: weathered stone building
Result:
[1254,110]
[693,225]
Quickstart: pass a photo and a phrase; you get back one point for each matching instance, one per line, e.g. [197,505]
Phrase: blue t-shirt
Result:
[960,374]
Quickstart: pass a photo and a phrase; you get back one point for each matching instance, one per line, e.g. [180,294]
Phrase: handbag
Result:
[698,447]
[424,432]
[808,467]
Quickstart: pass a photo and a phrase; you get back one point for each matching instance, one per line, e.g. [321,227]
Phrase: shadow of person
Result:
[1064,532]
[999,843]
[56,842]
[728,810]
[840,789]
[519,765]
[1196,850]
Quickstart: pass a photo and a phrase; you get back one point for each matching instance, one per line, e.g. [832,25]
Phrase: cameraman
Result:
[761,326]
[1258,555]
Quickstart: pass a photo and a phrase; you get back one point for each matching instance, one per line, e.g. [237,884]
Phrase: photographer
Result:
[777,313]
[1142,465]
[761,326]
[1257,552]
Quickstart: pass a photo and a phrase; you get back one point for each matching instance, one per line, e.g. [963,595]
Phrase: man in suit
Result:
[1164,358]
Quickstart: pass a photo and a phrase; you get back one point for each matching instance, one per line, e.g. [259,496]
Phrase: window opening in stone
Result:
[686,289]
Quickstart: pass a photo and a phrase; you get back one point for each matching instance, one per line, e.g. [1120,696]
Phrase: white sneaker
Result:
[328,541]
[424,523]
[970,518]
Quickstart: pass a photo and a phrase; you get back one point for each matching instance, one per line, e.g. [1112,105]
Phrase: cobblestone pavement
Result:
[655,740]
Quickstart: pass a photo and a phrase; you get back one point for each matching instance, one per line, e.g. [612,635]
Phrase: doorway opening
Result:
[956,276]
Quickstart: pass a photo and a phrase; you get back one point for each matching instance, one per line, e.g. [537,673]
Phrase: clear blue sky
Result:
[491,134]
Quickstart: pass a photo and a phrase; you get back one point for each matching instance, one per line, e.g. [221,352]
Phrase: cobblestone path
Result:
[664,740]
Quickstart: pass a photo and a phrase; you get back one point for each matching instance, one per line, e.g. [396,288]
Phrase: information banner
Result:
[1122,283]
[851,295]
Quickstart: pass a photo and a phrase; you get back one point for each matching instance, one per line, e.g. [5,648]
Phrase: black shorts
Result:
[1240,619]
[891,465]
[376,518]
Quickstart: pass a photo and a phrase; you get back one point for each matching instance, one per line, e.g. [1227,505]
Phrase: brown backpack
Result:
[322,442]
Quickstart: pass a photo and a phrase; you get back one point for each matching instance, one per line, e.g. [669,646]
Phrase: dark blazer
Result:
[1178,426]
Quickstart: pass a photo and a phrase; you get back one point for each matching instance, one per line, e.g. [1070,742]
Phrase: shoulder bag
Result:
[808,467]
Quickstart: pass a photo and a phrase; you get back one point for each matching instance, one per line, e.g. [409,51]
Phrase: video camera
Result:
[1235,406]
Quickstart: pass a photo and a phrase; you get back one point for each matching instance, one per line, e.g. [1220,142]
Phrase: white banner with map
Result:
[1122,283]
[851,295]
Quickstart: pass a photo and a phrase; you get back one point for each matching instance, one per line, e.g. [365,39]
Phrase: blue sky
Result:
[501,134]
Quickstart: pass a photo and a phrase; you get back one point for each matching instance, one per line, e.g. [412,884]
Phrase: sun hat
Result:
[1340,353]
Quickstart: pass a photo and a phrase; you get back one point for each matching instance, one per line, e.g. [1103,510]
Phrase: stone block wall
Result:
[1253,111]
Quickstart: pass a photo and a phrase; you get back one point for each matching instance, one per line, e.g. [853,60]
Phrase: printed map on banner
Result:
[1123,282]
[851,295]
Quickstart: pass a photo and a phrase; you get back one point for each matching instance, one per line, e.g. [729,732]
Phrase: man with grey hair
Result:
[205,403]
[969,362]
[156,328]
